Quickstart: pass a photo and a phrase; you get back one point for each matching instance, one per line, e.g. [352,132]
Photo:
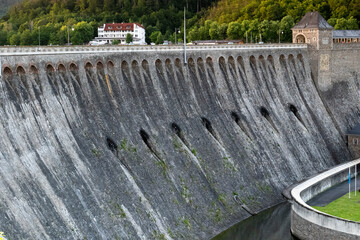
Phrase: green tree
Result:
[83,32]
[26,38]
[3,37]
[234,30]
[214,30]
[193,34]
[115,42]
[154,35]
[222,30]
[160,39]
[129,38]
[285,26]
[15,39]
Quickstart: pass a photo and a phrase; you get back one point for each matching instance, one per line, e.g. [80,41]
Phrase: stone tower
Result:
[314,30]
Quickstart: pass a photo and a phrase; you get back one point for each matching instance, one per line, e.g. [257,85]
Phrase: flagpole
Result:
[355,178]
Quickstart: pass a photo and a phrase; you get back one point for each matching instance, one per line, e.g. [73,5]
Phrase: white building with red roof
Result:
[118,31]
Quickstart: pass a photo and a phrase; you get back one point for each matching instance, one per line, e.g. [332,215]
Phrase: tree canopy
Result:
[57,21]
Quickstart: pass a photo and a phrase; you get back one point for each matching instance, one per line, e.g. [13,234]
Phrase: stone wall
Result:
[132,143]
[309,223]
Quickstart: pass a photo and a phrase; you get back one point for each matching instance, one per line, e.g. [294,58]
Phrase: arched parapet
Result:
[99,65]
[110,65]
[7,71]
[73,67]
[322,225]
[33,69]
[20,70]
[61,68]
[49,68]
[88,66]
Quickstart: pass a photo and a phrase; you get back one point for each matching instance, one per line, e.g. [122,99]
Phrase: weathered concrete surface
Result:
[309,223]
[219,126]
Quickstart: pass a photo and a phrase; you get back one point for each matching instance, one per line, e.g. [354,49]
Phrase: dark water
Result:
[271,224]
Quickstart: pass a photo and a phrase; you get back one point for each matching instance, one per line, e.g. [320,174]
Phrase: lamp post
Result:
[68,34]
[176,29]
[68,37]
[39,35]
[282,32]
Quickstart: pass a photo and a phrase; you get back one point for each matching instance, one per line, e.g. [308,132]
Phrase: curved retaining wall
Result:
[309,223]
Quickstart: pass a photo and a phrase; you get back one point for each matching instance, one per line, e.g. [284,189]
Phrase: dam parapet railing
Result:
[309,223]
[54,50]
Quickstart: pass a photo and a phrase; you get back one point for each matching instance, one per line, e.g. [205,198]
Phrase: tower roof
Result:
[313,20]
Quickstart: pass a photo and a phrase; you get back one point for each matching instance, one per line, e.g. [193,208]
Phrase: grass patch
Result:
[344,207]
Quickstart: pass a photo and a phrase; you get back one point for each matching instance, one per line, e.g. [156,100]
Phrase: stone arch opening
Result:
[200,64]
[240,61]
[231,61]
[20,70]
[50,68]
[222,60]
[168,63]
[158,66]
[110,64]
[300,39]
[253,60]
[282,57]
[262,61]
[99,65]
[134,64]
[88,66]
[191,62]
[270,60]
[61,68]
[73,67]
[178,63]
[7,71]
[33,70]
[145,66]
[124,65]
[210,63]
[291,57]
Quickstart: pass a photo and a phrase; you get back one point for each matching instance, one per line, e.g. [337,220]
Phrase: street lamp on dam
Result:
[177,30]
[282,32]
[68,34]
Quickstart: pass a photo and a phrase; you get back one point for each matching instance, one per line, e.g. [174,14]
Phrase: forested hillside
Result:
[249,20]
[52,18]
[5,4]
[270,20]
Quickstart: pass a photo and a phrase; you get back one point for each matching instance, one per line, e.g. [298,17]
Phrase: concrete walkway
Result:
[334,193]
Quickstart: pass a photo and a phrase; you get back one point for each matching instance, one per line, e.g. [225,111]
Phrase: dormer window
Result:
[128,27]
[110,27]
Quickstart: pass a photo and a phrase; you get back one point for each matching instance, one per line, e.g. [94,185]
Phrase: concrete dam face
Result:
[138,145]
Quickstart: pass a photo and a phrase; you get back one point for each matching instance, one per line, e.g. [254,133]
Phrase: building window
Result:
[355,141]
[314,39]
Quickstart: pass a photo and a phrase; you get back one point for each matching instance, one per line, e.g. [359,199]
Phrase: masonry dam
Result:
[132,143]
